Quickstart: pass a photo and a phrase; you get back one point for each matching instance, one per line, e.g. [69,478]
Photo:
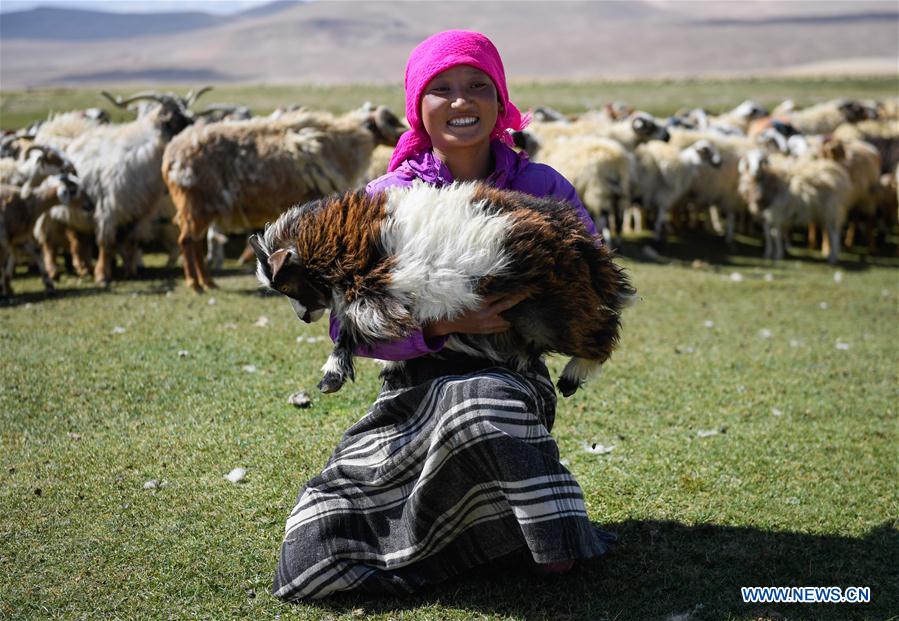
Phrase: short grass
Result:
[792,373]
[662,97]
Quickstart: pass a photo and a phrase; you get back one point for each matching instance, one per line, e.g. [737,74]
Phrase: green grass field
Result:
[18,108]
[753,418]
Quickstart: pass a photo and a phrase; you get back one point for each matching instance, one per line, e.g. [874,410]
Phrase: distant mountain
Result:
[350,42]
[55,24]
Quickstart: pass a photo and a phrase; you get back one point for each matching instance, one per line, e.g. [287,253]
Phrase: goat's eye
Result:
[284,289]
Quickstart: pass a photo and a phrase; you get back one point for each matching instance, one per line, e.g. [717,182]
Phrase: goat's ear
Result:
[277,260]
[261,255]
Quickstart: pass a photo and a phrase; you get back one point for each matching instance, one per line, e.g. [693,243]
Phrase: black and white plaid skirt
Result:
[452,467]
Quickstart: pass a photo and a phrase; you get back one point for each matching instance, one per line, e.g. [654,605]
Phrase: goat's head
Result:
[171,114]
[68,188]
[282,270]
[753,163]
[41,161]
[384,125]
[646,127]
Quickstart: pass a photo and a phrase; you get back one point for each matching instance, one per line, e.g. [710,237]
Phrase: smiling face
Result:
[459,108]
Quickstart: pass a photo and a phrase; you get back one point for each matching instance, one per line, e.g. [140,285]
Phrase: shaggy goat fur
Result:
[394,262]
[242,174]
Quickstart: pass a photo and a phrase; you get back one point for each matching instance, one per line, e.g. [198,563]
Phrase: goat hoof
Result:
[331,382]
[567,386]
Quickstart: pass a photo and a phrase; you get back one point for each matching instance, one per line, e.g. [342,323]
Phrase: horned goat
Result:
[241,175]
[120,168]
[393,262]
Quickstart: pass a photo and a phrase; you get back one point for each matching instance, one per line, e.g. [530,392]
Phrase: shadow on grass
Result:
[664,568]
[687,248]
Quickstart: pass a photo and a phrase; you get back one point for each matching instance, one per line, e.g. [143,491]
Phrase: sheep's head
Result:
[703,151]
[526,141]
[833,150]
[749,110]
[646,128]
[383,124]
[753,163]
[68,188]
[283,271]
[854,111]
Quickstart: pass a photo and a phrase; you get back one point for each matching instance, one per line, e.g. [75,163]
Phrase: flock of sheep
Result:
[186,179]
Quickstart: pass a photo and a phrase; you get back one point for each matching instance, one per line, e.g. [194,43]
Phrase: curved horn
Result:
[192,97]
[121,103]
[36,147]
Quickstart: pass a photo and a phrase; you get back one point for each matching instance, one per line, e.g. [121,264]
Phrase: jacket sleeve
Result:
[559,187]
[415,344]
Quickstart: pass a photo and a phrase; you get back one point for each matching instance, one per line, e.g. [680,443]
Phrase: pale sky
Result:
[135,6]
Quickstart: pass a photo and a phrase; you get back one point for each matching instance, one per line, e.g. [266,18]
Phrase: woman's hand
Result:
[484,320]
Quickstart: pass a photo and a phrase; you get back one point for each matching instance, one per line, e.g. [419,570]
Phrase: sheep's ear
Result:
[261,255]
[277,260]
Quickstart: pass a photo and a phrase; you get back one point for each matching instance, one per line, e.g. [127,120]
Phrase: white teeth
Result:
[464,121]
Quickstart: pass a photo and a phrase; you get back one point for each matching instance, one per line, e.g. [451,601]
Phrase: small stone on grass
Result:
[299,399]
[249,368]
[598,449]
[118,330]
[151,484]
[736,277]
[183,353]
[236,475]
[262,322]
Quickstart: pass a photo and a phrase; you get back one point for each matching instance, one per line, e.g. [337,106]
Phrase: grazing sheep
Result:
[787,191]
[120,169]
[821,118]
[862,162]
[391,263]
[19,209]
[241,175]
[599,170]
[636,129]
[883,134]
[665,174]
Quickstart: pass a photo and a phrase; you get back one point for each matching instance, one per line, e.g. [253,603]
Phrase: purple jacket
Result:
[513,171]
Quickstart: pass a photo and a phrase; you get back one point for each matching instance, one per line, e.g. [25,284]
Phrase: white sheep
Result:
[786,191]
[665,174]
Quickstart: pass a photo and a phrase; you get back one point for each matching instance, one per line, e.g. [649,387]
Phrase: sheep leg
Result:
[769,239]
[32,251]
[833,256]
[715,220]
[7,265]
[730,222]
[849,241]
[812,236]
[339,365]
[575,374]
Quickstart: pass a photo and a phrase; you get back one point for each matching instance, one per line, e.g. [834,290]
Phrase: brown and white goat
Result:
[391,263]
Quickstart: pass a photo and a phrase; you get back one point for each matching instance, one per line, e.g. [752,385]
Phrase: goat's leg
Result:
[339,365]
[81,258]
[32,251]
[812,236]
[48,258]
[190,261]
[575,374]
[103,269]
[205,279]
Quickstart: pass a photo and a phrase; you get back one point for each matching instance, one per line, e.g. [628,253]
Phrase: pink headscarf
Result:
[436,54]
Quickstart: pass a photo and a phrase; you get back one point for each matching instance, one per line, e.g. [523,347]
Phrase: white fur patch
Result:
[580,369]
[332,365]
[444,243]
